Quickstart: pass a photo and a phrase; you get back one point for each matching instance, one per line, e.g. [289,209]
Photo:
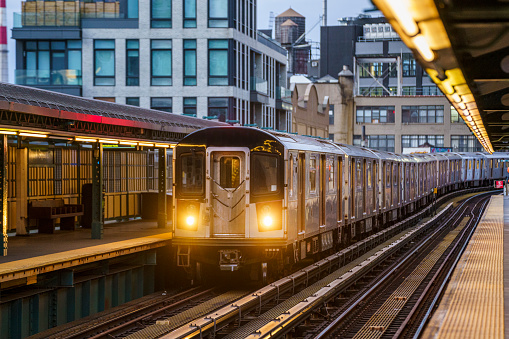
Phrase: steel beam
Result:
[3,192]
[97,191]
[162,187]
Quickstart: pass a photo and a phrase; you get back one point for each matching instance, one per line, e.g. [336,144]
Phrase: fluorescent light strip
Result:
[163,145]
[35,135]
[145,144]
[103,141]
[9,132]
[85,139]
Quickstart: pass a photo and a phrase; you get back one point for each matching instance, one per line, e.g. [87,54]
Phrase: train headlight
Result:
[267,221]
[190,220]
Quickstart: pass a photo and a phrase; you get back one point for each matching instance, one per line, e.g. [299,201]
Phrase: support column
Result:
[3,192]
[97,191]
[161,200]
[21,189]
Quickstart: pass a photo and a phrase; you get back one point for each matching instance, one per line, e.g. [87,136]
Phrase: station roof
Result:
[464,46]
[63,108]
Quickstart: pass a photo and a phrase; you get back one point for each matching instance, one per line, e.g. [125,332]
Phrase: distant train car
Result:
[258,201]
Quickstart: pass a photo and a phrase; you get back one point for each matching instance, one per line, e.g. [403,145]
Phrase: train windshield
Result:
[264,169]
[192,170]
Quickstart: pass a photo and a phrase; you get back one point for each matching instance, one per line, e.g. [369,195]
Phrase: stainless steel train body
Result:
[245,197]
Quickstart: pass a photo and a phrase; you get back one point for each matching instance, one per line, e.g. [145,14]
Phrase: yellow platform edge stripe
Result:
[46,263]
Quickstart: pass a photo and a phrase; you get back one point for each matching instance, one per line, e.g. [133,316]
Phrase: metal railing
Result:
[284,94]
[65,77]
[259,85]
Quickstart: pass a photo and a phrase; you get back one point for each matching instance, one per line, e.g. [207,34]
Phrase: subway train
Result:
[261,201]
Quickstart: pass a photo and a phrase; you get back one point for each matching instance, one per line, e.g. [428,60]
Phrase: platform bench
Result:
[46,211]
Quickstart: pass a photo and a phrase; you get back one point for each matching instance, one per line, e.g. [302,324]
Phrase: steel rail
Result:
[457,214]
[442,285]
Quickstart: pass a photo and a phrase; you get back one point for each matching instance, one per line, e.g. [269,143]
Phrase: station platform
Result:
[29,256]
[476,300]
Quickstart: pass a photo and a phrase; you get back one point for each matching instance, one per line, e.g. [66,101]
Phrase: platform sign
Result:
[499,184]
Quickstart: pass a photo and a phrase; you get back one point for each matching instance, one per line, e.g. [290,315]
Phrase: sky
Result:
[311,9]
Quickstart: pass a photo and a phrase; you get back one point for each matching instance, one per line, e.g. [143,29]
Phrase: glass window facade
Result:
[132,63]
[160,14]
[431,90]
[218,13]
[133,101]
[189,62]
[455,117]
[218,62]
[465,143]
[218,107]
[422,114]
[375,114]
[378,142]
[372,91]
[190,105]
[162,104]
[104,62]
[161,63]
[189,13]
[50,63]
[418,140]
[409,64]
[367,70]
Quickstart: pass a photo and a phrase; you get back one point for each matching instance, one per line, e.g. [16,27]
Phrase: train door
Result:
[352,188]
[365,187]
[301,205]
[384,184]
[323,188]
[340,188]
[228,193]
[374,179]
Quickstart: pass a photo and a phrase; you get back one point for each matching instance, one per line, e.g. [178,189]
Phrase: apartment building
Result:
[203,59]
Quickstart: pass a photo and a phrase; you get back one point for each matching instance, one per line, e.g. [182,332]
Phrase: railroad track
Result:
[199,312]
[254,311]
[131,316]
[399,305]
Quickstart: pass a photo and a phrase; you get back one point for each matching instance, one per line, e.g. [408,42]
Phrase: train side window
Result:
[470,164]
[368,169]
[264,177]
[229,169]
[331,170]
[312,174]
[192,168]
[359,175]
[387,175]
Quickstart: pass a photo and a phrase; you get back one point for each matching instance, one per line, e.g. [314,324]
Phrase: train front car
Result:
[229,196]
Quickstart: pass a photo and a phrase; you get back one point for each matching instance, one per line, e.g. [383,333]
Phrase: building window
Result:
[431,90]
[161,104]
[190,106]
[132,63]
[465,143]
[108,99]
[409,90]
[422,114]
[357,140]
[133,101]
[189,62]
[455,117]
[372,91]
[189,13]
[408,65]
[104,62]
[51,63]
[381,142]
[419,140]
[218,107]
[218,62]
[161,63]
[375,114]
[161,14]
[218,13]
[372,69]
[331,114]
[331,136]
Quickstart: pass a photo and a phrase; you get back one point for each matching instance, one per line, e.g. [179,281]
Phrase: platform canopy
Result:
[464,47]
[27,109]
